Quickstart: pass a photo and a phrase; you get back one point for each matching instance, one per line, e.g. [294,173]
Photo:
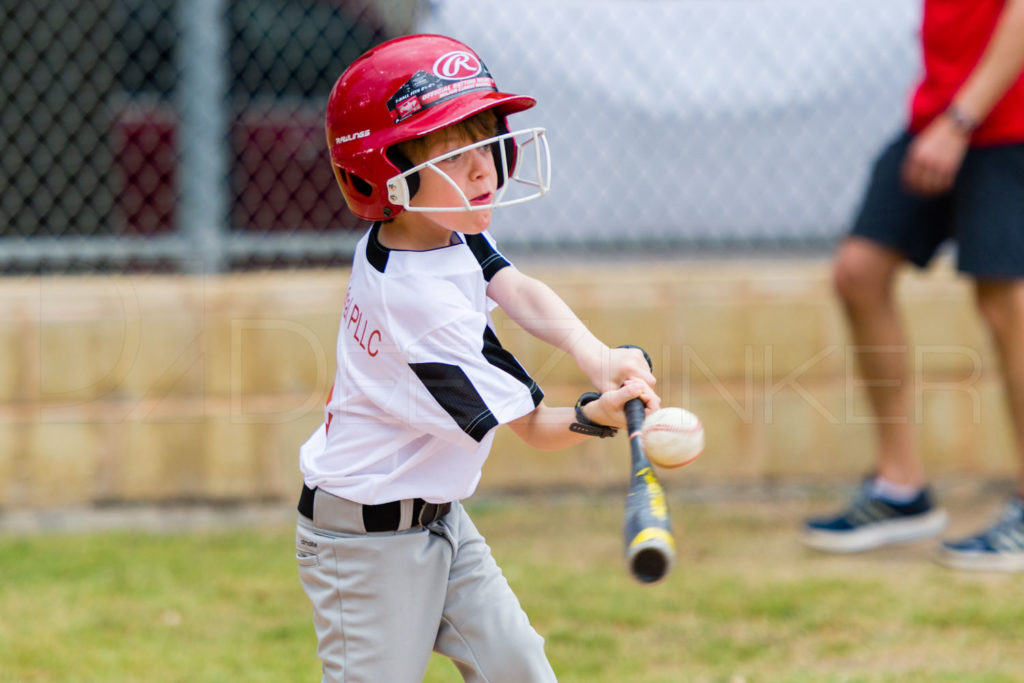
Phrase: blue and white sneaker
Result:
[871,522]
[1000,548]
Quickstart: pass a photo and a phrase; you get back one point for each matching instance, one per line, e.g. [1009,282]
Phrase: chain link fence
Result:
[187,136]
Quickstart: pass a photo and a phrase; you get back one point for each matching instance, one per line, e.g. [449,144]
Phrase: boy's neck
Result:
[407,233]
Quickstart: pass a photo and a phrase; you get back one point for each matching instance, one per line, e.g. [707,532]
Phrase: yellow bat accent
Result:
[658,506]
[652,533]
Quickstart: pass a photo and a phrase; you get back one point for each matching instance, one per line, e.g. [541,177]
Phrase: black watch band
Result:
[584,425]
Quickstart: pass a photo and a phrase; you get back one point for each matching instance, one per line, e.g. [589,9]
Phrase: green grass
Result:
[744,602]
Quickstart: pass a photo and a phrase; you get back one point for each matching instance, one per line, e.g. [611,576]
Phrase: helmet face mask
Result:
[408,88]
[528,150]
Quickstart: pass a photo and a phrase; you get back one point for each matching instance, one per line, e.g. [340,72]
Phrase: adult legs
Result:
[1000,547]
[864,278]
[1001,303]
[895,506]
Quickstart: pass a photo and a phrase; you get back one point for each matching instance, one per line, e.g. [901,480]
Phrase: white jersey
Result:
[422,380]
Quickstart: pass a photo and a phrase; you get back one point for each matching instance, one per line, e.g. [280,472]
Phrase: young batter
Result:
[389,558]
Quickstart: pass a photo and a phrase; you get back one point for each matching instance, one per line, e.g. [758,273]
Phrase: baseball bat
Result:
[650,548]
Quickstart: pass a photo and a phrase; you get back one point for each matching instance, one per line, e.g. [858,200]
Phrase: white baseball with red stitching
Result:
[673,437]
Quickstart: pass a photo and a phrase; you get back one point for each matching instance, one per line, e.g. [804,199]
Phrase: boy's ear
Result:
[404,163]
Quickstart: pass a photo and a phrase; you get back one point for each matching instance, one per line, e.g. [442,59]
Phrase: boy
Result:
[388,556]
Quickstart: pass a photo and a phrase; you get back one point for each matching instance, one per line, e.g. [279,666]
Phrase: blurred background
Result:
[186,135]
[174,247]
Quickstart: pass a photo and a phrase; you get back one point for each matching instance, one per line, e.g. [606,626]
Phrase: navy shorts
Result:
[983,213]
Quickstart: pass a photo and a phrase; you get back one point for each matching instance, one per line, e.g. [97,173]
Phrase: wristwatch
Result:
[961,120]
[585,425]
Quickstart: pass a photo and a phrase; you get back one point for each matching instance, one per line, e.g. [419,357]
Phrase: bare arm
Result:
[935,155]
[547,427]
[540,311]
[1000,64]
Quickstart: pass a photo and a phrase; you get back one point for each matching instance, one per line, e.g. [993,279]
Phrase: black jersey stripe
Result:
[376,253]
[500,358]
[486,255]
[451,388]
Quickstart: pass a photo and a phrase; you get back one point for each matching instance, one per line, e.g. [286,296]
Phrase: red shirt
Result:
[953,37]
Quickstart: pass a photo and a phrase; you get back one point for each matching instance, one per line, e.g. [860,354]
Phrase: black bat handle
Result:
[635,410]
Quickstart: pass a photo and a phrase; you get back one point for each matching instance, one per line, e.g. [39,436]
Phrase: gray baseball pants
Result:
[383,601]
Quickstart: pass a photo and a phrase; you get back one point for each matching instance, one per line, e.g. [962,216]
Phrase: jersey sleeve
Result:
[487,255]
[471,378]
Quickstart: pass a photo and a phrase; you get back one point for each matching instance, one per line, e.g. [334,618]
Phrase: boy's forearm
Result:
[547,428]
[539,310]
[550,319]
[542,313]
[1000,65]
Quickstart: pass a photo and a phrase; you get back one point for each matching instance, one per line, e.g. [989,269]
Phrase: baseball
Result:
[673,437]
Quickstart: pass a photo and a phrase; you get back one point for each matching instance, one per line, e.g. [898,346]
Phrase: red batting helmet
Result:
[403,89]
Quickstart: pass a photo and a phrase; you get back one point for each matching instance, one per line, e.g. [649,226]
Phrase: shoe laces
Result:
[861,505]
[1012,518]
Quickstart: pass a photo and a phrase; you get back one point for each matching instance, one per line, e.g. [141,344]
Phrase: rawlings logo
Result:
[454,73]
[352,136]
[457,65]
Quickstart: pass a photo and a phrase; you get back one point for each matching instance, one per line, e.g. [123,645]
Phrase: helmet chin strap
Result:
[503,152]
[508,161]
[404,164]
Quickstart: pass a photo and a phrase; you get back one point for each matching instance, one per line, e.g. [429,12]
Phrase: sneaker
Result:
[871,522]
[999,548]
